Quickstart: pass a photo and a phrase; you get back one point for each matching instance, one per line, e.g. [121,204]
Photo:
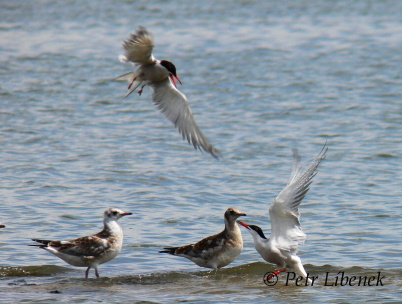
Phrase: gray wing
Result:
[175,107]
[138,48]
[286,231]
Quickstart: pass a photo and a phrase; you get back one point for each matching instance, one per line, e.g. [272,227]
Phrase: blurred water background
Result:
[262,77]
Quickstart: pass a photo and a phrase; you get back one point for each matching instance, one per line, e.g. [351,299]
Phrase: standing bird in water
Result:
[286,233]
[161,76]
[90,251]
[217,250]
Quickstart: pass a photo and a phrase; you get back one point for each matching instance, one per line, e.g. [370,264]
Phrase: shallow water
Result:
[233,284]
[262,78]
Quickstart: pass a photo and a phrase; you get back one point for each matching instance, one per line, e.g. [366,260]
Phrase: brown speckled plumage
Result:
[217,250]
[90,251]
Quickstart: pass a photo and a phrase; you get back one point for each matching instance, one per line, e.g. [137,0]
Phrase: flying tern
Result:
[161,76]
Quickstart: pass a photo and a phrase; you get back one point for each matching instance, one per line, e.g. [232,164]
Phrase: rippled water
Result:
[262,77]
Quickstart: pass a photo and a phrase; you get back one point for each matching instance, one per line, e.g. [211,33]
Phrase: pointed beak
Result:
[126,213]
[242,214]
[173,77]
[244,224]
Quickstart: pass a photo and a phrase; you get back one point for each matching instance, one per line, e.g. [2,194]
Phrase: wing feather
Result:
[138,48]
[88,246]
[175,107]
[203,249]
[286,230]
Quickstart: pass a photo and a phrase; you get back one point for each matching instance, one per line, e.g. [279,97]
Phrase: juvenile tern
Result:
[161,76]
[286,233]
[90,251]
[215,251]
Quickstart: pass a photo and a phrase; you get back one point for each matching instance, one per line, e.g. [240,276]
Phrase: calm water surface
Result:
[262,77]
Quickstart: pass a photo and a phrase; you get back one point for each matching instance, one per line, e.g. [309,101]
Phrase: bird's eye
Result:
[114,213]
[232,212]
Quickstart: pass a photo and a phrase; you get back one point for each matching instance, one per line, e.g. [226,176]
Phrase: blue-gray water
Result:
[262,77]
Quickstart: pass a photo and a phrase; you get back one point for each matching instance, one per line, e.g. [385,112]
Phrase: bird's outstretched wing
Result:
[286,231]
[174,105]
[138,48]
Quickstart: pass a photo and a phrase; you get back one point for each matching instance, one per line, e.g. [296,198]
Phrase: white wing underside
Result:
[175,107]
[286,232]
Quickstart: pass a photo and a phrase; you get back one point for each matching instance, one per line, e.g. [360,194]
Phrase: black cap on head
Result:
[258,230]
[169,66]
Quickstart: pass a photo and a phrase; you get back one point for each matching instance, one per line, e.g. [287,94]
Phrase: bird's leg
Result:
[140,91]
[129,86]
[275,273]
[86,272]
[96,272]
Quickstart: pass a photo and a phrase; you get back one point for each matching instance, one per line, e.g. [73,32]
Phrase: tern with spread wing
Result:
[161,76]
[286,233]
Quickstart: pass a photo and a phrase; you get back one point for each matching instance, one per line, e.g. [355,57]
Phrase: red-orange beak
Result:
[173,77]
[244,224]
